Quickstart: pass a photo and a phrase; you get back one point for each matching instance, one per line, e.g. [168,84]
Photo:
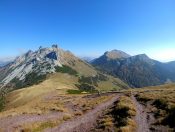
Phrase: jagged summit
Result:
[116,54]
[42,61]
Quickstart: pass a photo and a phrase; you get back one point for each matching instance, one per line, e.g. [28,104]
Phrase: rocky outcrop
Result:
[42,61]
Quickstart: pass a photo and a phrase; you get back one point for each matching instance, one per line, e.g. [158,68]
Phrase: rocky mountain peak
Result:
[116,54]
[42,61]
[55,46]
[142,56]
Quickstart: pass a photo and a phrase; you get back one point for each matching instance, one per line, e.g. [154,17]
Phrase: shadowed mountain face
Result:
[137,71]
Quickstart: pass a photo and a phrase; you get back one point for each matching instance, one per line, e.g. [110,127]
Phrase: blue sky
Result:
[89,27]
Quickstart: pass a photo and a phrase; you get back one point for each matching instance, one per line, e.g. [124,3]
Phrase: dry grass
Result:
[162,102]
[67,117]
[51,96]
[126,110]
[165,94]
[39,126]
[93,102]
[78,113]
[112,84]
[126,102]
[68,105]
[58,83]
[119,118]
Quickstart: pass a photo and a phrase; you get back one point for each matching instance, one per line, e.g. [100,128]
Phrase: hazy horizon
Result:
[93,56]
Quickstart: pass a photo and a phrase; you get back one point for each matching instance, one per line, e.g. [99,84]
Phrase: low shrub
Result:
[160,104]
[31,79]
[66,69]
[142,98]
[2,99]
[170,118]
[85,87]
[73,91]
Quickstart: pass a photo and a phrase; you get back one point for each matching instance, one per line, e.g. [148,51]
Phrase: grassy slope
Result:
[61,81]
[162,102]
[30,100]
[57,83]
[43,97]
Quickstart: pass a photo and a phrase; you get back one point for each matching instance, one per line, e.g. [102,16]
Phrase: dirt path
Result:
[85,122]
[10,124]
[141,117]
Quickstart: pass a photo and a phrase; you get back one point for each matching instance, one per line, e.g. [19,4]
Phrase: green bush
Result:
[85,87]
[120,115]
[31,79]
[72,91]
[66,69]
[2,100]
[88,80]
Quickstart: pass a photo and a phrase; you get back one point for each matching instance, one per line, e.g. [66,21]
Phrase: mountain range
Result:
[35,67]
[50,88]
[137,71]
[116,68]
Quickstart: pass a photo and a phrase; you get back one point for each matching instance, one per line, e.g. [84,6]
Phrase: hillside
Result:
[30,84]
[137,71]
[52,109]
[33,68]
[59,93]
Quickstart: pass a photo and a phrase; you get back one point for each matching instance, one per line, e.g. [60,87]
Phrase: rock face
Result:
[41,62]
[137,71]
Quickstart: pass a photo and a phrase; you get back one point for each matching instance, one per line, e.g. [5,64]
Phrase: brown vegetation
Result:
[161,102]
[119,117]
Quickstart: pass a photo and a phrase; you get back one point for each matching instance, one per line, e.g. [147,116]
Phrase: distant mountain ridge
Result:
[137,71]
[87,59]
[3,63]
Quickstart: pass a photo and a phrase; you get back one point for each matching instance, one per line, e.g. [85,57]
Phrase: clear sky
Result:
[89,27]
